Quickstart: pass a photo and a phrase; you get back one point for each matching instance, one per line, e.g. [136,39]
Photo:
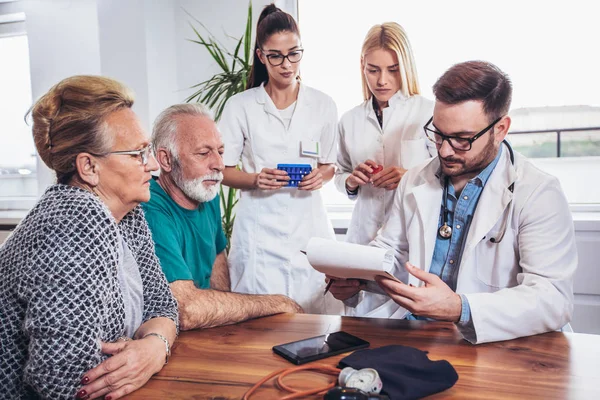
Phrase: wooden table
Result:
[223,363]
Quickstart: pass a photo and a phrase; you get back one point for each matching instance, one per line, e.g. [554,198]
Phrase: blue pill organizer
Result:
[296,172]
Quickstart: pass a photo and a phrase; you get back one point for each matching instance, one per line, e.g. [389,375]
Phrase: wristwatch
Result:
[165,340]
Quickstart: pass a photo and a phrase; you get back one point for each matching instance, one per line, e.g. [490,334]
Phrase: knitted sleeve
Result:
[158,299]
[66,294]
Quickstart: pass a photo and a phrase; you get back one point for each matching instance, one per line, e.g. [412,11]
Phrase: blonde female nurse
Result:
[379,140]
[279,120]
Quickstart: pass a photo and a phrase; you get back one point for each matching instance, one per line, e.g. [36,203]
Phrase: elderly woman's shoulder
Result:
[66,203]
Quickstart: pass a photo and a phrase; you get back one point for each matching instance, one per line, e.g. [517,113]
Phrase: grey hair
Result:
[165,125]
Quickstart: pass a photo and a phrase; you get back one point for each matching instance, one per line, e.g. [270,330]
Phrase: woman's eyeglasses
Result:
[276,59]
[144,153]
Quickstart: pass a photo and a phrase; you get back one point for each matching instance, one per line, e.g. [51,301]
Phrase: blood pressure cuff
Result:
[406,372]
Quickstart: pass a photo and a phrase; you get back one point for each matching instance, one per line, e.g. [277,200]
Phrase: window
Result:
[17,152]
[544,47]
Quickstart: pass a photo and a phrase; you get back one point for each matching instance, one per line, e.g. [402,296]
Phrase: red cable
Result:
[295,394]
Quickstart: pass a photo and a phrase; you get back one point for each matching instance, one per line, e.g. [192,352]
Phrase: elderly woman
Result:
[78,277]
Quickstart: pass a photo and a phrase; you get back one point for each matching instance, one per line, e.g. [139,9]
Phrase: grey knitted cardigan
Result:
[60,295]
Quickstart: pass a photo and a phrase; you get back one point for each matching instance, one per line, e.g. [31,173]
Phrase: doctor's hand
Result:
[434,300]
[389,178]
[343,289]
[312,181]
[361,174]
[271,179]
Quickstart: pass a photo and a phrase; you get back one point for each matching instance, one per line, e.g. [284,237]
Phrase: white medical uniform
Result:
[401,142]
[519,286]
[272,226]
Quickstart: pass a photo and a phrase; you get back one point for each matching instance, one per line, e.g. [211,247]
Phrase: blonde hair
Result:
[69,120]
[391,36]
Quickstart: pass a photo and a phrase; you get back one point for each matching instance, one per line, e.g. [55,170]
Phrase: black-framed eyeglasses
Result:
[276,59]
[144,153]
[457,143]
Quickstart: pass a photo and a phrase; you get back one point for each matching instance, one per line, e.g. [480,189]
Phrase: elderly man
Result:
[489,236]
[185,219]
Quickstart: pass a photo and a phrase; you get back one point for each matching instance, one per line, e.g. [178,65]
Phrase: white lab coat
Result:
[401,142]
[271,227]
[520,286]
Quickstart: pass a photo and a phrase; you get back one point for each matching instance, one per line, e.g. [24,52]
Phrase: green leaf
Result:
[248,34]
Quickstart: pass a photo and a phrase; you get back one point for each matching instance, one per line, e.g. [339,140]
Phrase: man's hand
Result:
[434,300]
[343,289]
[389,178]
[290,306]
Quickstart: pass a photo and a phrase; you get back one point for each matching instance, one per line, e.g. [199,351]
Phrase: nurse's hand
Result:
[343,289]
[361,175]
[389,178]
[312,181]
[271,179]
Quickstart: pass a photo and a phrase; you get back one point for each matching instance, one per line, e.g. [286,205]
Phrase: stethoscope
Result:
[445,231]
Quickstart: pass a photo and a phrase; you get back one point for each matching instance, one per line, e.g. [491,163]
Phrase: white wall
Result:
[141,43]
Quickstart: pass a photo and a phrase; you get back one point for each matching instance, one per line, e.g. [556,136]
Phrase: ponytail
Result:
[272,20]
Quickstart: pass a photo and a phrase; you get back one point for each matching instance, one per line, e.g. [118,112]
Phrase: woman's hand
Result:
[389,178]
[131,365]
[361,175]
[312,181]
[271,179]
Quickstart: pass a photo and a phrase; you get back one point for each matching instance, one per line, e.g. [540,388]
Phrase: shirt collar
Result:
[481,178]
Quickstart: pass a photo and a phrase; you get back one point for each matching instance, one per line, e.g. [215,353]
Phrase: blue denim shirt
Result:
[447,253]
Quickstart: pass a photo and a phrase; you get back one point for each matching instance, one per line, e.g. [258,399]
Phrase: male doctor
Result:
[481,236]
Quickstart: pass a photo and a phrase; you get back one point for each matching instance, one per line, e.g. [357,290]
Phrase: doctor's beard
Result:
[195,188]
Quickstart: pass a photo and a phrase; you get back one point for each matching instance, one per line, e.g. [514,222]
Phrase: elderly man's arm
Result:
[207,308]
[219,278]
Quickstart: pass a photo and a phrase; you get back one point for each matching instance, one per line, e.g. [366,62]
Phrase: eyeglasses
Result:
[144,153]
[457,143]
[276,59]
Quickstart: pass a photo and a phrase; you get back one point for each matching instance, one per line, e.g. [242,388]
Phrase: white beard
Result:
[195,188]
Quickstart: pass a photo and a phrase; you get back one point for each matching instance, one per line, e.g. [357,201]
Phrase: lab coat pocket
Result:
[413,152]
[497,262]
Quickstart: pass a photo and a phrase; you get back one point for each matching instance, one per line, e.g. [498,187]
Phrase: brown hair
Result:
[69,120]
[272,20]
[391,36]
[476,80]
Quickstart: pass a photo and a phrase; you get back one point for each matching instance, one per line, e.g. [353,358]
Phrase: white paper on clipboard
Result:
[349,260]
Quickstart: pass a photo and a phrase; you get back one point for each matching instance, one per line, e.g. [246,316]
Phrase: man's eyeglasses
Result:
[144,153]
[276,59]
[457,143]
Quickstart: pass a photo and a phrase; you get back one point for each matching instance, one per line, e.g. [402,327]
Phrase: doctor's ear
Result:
[501,129]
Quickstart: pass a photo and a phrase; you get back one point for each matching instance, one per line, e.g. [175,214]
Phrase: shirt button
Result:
[466,197]
[457,226]
[451,261]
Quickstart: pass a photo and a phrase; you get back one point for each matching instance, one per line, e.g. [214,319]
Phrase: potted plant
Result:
[215,91]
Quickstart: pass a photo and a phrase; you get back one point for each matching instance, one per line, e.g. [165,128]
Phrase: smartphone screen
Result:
[319,347]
